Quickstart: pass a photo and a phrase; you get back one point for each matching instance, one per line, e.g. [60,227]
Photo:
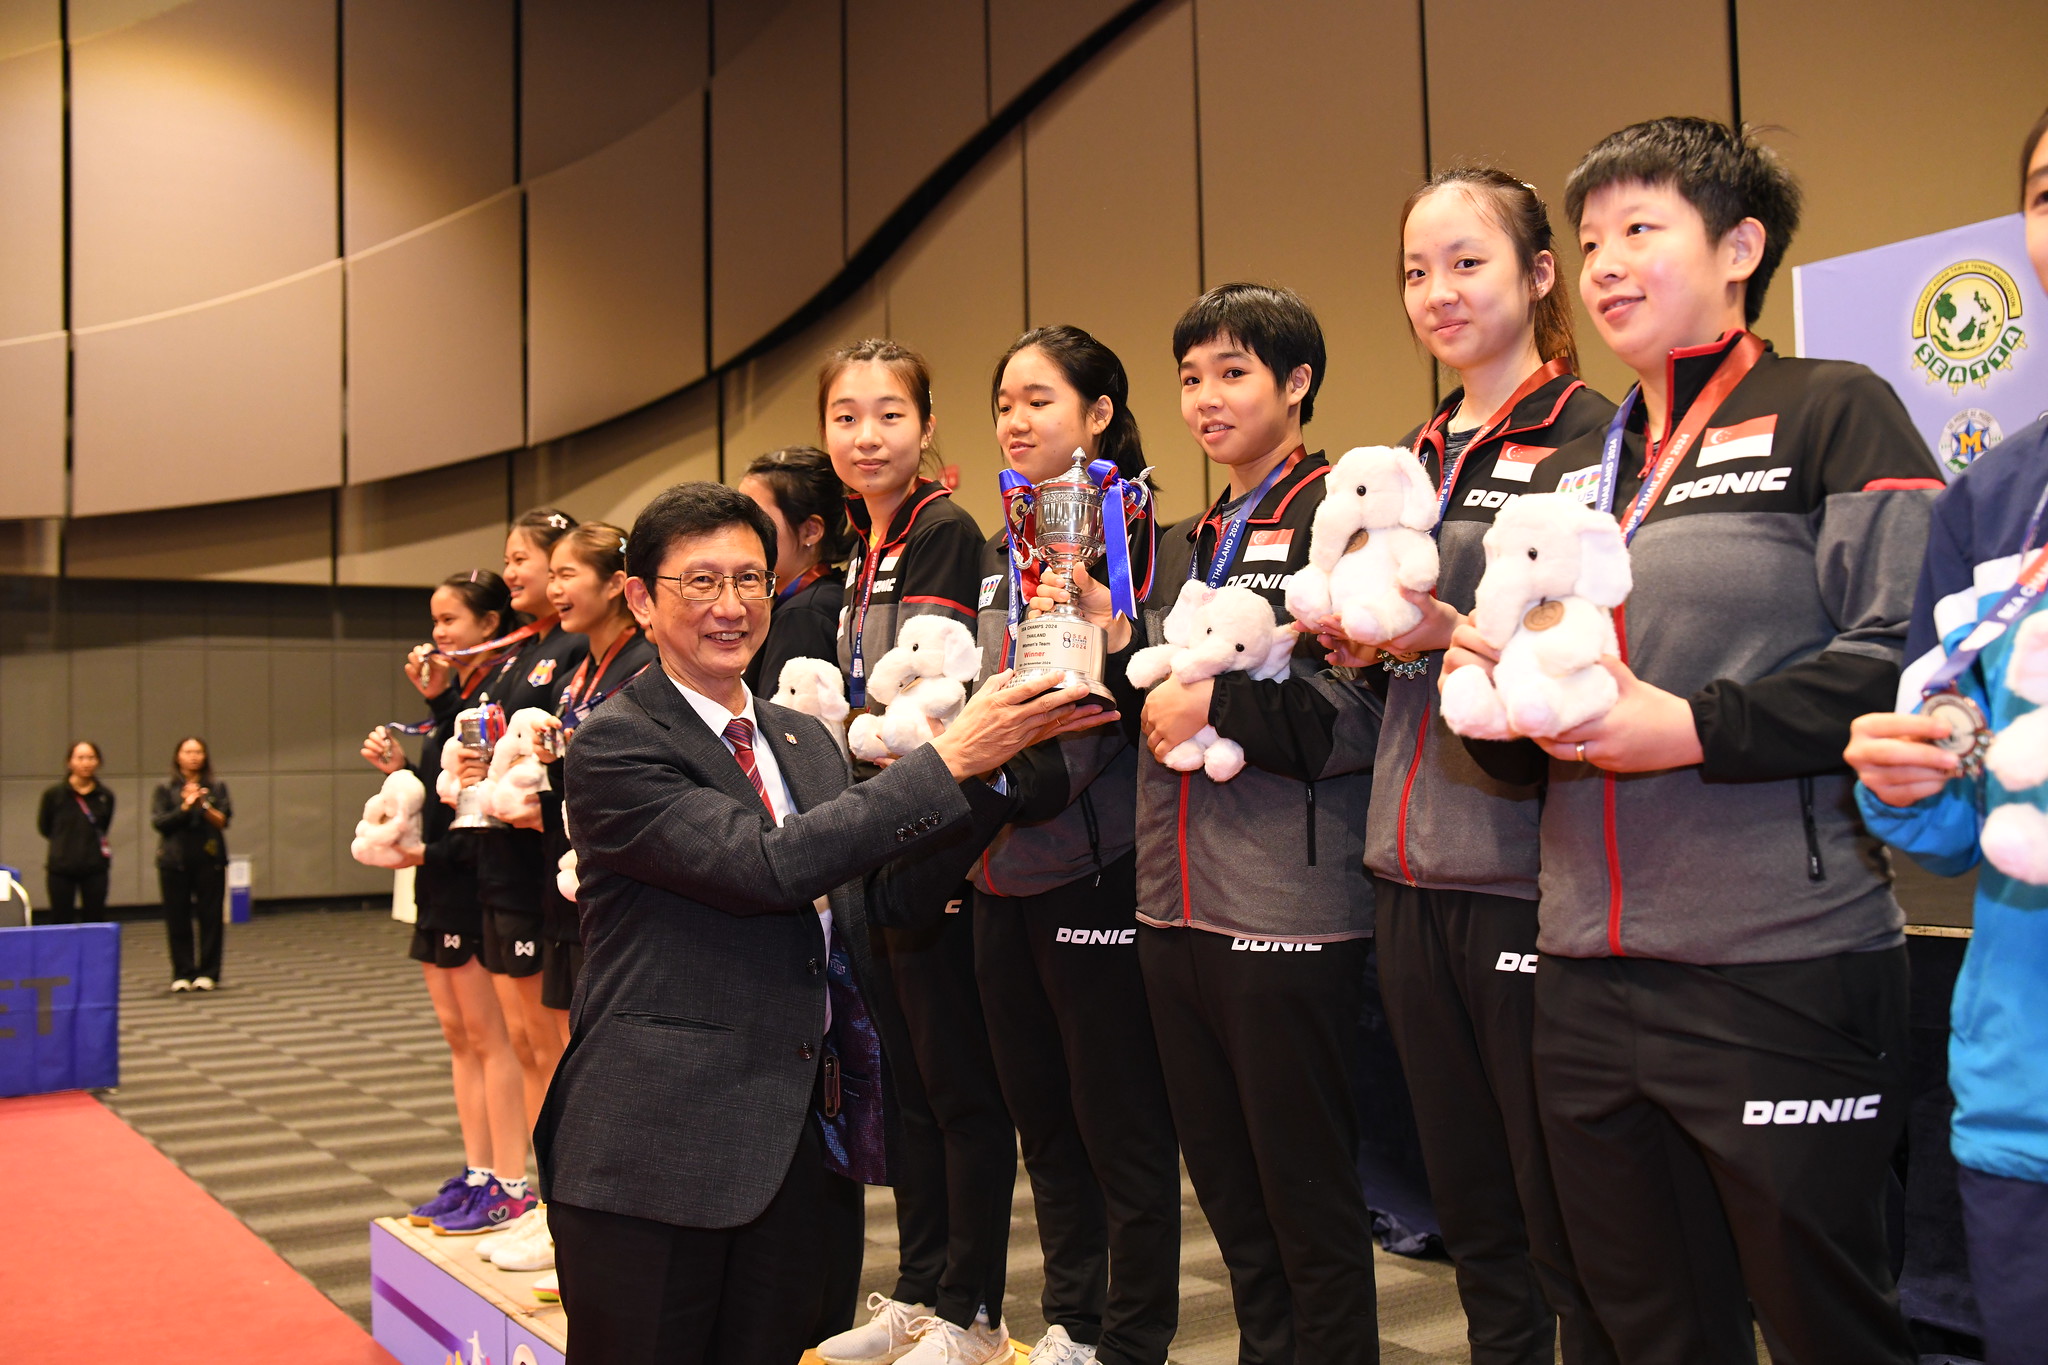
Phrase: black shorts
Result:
[512,944]
[560,965]
[440,948]
[512,873]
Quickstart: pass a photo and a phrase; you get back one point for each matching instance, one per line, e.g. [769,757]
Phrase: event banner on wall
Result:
[1955,321]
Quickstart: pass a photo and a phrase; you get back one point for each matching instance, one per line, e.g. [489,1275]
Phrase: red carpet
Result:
[116,1255]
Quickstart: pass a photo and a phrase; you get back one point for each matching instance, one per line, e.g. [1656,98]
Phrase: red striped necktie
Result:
[739,732]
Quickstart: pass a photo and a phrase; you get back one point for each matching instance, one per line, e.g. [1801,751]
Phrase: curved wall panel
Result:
[434,346]
[202,161]
[32,342]
[615,276]
[592,73]
[240,399]
[426,96]
[778,226]
[898,130]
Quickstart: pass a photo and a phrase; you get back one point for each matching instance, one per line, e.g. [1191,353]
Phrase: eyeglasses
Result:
[749,585]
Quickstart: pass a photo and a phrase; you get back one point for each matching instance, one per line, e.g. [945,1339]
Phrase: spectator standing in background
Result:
[75,817]
[191,812]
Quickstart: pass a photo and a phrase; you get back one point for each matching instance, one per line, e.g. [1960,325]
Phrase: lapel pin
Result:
[788,736]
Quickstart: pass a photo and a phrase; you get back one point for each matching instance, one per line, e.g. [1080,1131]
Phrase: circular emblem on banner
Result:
[522,1354]
[1966,324]
[1967,435]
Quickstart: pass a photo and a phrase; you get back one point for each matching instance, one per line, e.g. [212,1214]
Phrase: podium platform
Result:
[434,1301]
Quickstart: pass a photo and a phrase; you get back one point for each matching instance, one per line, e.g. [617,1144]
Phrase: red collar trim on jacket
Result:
[922,494]
[1696,376]
[1292,482]
[1542,408]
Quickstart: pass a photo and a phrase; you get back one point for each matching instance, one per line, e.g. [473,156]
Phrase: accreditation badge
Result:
[1969,731]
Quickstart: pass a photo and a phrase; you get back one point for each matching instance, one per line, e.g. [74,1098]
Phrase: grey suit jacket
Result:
[699,1019]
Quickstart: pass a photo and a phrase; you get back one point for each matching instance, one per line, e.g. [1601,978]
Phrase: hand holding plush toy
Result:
[388,835]
[2015,834]
[1555,570]
[922,683]
[1370,540]
[517,776]
[448,786]
[1212,631]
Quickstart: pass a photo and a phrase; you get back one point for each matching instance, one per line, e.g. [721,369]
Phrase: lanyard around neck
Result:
[1555,369]
[1734,367]
[2019,599]
[1228,536]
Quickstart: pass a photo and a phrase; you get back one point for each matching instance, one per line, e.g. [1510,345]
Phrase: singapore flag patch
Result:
[1749,440]
[1516,463]
[1274,544]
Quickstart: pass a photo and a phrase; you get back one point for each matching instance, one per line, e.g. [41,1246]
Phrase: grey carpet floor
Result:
[310,1095]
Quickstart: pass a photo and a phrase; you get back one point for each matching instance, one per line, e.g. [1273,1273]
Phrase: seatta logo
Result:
[1849,1109]
[1095,936]
[1966,436]
[1966,324]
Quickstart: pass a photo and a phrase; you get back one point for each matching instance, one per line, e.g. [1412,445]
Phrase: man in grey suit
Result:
[722,1058]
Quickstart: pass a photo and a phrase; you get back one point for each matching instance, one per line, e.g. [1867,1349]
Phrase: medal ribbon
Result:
[572,709]
[519,636]
[1228,536]
[1731,371]
[1018,501]
[424,727]
[2017,601]
[802,581]
[1556,369]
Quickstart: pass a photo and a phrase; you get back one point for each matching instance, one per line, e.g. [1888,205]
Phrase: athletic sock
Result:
[515,1188]
[476,1175]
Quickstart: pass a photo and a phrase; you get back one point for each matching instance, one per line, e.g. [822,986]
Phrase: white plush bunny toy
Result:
[2015,834]
[1370,539]
[922,683]
[1212,631]
[388,835]
[1555,571]
[517,775]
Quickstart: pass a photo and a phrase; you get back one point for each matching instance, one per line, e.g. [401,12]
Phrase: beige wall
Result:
[691,174]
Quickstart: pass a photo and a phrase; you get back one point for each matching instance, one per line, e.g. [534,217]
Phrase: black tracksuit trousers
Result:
[1065,1002]
[956,1166]
[193,896]
[1721,1139]
[1458,975]
[1259,1042]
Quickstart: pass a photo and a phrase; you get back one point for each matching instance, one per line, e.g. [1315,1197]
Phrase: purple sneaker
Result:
[487,1209]
[452,1195]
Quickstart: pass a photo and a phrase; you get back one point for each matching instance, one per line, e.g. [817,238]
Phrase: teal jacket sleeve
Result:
[1939,832]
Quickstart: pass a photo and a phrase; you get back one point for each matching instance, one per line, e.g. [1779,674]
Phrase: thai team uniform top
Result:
[1999,1018]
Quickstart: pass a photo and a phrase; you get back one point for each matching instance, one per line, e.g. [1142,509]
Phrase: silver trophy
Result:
[469,802]
[1062,642]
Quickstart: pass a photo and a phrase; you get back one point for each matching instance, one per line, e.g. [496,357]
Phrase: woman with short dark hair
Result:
[191,811]
[75,817]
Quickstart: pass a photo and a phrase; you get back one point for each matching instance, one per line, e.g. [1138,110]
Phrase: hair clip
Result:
[558,521]
[472,575]
[622,545]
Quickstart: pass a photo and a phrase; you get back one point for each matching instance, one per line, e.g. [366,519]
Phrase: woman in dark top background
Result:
[801,494]
[75,817]
[191,813]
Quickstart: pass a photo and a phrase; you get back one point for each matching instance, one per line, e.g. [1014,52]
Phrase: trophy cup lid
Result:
[1075,475]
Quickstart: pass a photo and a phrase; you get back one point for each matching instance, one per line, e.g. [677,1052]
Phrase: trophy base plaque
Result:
[1067,646]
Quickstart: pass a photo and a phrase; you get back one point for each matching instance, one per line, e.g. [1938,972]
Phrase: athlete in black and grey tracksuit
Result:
[1721,1042]
[1057,957]
[1453,854]
[513,880]
[956,1165]
[1257,912]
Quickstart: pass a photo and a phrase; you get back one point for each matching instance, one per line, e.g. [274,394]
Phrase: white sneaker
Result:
[180,985]
[1057,1348]
[941,1343]
[203,983]
[533,1249]
[511,1232]
[886,1337]
[548,1288]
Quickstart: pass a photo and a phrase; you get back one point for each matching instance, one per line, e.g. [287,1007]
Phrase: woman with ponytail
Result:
[1055,905]
[468,609]
[797,488]
[1453,851]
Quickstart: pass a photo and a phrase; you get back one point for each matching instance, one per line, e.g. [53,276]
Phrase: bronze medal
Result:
[1357,541]
[1969,732]
[1543,615]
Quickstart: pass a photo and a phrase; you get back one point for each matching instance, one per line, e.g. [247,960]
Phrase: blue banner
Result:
[60,992]
[1955,321]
